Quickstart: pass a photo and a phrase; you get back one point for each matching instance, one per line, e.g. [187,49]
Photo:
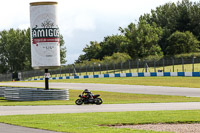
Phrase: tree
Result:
[182,42]
[91,51]
[143,39]
[131,34]
[15,49]
[171,17]
[63,50]
[195,19]
[113,44]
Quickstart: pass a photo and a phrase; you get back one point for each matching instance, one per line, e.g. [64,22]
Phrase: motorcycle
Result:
[87,100]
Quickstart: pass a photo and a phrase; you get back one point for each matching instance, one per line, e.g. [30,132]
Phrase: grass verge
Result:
[89,122]
[108,98]
[192,82]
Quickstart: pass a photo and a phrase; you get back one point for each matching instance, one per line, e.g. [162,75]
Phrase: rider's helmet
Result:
[86,91]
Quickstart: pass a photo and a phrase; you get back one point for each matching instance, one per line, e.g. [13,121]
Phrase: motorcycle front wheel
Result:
[99,101]
[79,102]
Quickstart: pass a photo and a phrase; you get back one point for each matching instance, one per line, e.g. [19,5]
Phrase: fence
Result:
[131,66]
[6,77]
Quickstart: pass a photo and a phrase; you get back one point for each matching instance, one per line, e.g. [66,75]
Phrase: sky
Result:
[81,21]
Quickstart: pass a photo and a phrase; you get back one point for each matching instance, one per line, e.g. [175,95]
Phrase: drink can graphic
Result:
[45,46]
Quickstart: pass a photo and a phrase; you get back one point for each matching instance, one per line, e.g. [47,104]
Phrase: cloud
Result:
[24,26]
[13,13]
[82,22]
[72,57]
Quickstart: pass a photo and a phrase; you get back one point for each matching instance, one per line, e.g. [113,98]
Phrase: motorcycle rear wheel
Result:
[99,101]
[79,102]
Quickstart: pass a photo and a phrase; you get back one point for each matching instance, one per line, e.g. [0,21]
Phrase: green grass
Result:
[108,98]
[192,82]
[89,122]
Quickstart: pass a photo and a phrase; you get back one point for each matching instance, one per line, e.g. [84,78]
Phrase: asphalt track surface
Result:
[55,109]
[19,110]
[6,128]
[137,89]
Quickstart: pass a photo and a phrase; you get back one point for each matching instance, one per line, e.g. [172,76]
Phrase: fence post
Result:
[22,76]
[60,70]
[163,65]
[65,70]
[173,63]
[34,74]
[107,67]
[86,69]
[74,70]
[69,71]
[38,74]
[114,67]
[10,77]
[79,70]
[121,67]
[55,73]
[154,63]
[93,68]
[138,65]
[145,66]
[129,63]
[193,64]
[182,64]
[100,67]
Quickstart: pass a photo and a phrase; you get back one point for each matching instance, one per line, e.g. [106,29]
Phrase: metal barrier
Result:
[2,91]
[35,94]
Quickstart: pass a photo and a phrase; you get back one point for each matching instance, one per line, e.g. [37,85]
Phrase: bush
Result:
[117,58]
[153,58]
[188,55]
[182,42]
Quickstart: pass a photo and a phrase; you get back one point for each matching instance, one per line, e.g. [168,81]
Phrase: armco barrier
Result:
[2,91]
[152,74]
[35,94]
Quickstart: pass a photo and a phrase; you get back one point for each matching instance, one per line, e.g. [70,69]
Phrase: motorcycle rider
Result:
[88,98]
[87,93]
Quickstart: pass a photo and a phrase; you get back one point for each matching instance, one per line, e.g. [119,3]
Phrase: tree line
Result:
[171,29]
[15,50]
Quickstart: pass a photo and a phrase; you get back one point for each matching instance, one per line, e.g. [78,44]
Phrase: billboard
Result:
[45,46]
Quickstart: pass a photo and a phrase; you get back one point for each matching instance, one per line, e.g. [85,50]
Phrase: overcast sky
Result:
[81,21]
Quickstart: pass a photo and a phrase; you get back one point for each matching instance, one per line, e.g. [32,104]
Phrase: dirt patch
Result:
[177,128]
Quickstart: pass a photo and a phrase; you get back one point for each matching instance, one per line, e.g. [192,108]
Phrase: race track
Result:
[137,89]
[22,110]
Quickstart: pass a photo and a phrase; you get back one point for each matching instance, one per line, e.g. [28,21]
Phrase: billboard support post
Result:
[46,80]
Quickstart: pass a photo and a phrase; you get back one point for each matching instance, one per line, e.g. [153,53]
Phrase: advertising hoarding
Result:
[45,46]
